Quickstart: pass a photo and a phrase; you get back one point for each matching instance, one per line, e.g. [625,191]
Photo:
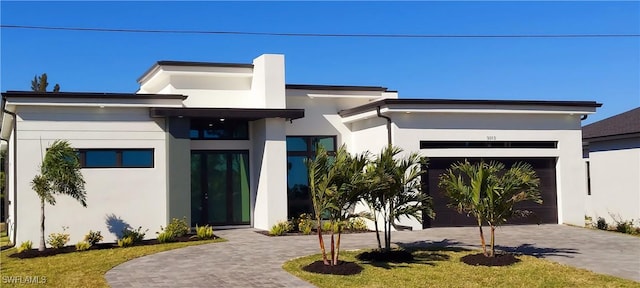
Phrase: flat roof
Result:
[385,102]
[97,95]
[192,64]
[229,113]
[336,87]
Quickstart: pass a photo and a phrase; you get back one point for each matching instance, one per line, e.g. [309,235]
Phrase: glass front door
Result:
[220,188]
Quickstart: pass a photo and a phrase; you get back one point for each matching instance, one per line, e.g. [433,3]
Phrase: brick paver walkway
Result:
[249,259]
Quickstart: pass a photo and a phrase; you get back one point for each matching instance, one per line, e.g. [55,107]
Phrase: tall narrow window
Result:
[299,149]
[588,178]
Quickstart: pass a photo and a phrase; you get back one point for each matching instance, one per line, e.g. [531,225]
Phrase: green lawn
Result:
[442,268]
[4,239]
[80,269]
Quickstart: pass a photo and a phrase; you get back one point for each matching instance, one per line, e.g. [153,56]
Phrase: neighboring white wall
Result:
[615,185]
[136,196]
[269,173]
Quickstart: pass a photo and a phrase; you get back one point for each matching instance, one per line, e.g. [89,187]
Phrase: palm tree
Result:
[321,189]
[397,190]
[349,181]
[59,174]
[488,193]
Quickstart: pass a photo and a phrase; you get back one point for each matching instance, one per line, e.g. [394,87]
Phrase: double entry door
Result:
[220,187]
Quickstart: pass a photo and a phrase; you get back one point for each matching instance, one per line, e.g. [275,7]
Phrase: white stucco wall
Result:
[615,185]
[136,196]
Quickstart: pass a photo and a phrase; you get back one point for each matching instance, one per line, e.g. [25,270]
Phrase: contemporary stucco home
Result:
[612,155]
[224,144]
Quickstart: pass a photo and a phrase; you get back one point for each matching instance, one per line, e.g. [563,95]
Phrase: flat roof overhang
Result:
[228,113]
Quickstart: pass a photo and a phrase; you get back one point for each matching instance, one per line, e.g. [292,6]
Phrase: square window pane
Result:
[137,158]
[99,158]
[296,144]
[194,133]
[327,143]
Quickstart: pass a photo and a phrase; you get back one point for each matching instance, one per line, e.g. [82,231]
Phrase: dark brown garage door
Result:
[547,212]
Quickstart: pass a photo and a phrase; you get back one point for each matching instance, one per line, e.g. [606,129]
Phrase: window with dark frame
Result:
[588,178]
[219,129]
[116,158]
[488,144]
[299,149]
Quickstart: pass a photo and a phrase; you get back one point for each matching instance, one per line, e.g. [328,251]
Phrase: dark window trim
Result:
[118,151]
[588,178]
[488,144]
[310,153]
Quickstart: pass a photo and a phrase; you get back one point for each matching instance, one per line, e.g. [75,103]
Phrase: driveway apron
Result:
[250,259]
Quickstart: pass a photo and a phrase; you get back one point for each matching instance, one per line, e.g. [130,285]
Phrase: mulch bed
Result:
[314,232]
[392,256]
[33,253]
[343,268]
[498,260]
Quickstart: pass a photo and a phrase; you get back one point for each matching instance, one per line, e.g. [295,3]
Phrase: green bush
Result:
[58,240]
[280,228]
[357,224]
[166,237]
[83,245]
[25,246]
[305,224]
[135,235]
[125,242]
[93,237]
[602,224]
[177,227]
[204,232]
[625,227]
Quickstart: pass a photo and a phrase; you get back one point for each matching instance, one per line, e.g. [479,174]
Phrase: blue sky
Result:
[606,70]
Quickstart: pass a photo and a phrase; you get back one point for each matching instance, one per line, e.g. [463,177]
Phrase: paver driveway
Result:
[249,259]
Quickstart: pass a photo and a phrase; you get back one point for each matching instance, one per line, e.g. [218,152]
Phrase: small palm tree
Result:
[488,193]
[321,189]
[59,174]
[397,190]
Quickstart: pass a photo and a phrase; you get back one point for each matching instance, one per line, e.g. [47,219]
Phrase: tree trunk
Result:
[333,248]
[335,261]
[493,240]
[388,244]
[42,243]
[375,222]
[484,244]
[321,241]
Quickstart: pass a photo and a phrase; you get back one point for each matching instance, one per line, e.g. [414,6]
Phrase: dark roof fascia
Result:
[335,87]
[231,113]
[96,95]
[386,102]
[192,64]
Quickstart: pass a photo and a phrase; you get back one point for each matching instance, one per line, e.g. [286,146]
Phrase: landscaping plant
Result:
[488,193]
[204,232]
[601,224]
[125,241]
[58,240]
[166,237]
[25,246]
[305,224]
[135,235]
[59,174]
[93,237]
[395,190]
[280,228]
[83,245]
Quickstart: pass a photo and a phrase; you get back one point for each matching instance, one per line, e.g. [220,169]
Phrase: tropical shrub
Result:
[58,240]
[25,246]
[487,192]
[135,235]
[177,227]
[166,237]
[82,245]
[204,232]
[305,224]
[93,237]
[601,224]
[280,228]
[357,224]
[125,241]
